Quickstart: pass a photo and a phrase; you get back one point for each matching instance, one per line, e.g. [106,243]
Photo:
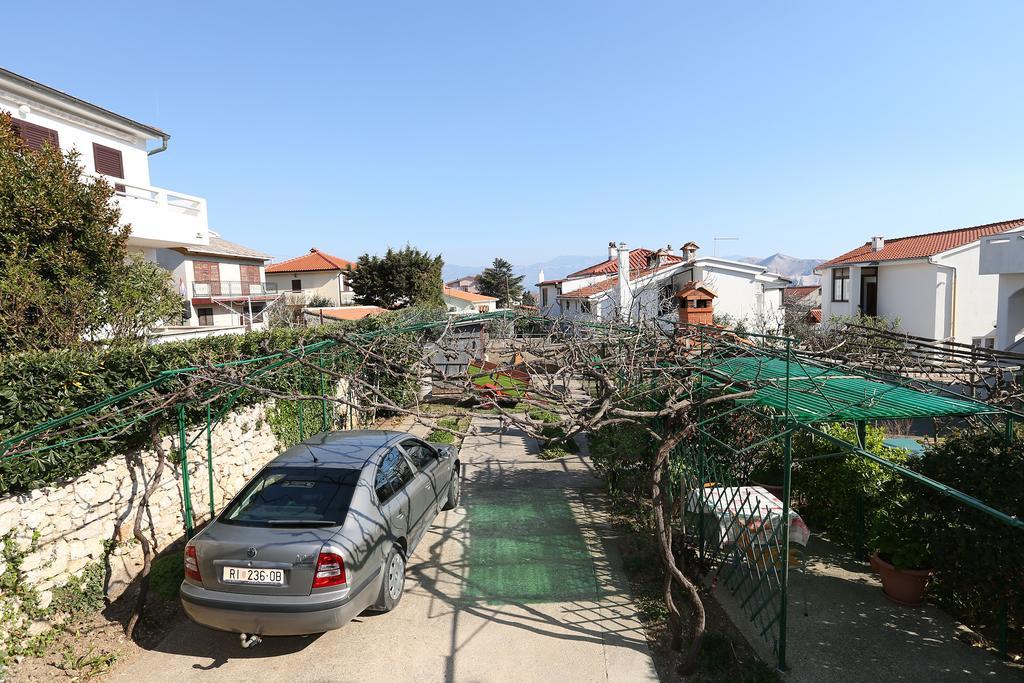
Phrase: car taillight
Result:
[192,564]
[330,570]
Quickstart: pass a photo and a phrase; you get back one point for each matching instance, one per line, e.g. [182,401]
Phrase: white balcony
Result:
[1003,253]
[160,217]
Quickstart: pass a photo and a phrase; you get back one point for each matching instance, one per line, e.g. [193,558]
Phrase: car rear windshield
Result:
[294,497]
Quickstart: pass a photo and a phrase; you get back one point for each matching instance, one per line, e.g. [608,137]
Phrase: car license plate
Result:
[260,577]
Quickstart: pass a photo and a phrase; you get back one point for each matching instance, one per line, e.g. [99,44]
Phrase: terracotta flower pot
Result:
[902,586]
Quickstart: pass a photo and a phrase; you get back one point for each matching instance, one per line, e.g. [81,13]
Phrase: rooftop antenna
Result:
[723,239]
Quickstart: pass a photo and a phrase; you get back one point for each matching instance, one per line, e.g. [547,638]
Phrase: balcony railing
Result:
[233,288]
[161,217]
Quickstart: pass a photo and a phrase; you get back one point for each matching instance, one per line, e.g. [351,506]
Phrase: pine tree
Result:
[499,281]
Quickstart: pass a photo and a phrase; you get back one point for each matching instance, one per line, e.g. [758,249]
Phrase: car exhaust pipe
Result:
[249,640]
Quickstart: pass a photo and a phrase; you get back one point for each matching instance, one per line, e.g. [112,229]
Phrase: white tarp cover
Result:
[749,511]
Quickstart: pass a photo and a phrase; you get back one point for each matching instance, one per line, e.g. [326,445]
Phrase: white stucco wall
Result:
[977,296]
[1010,310]
[80,136]
[324,283]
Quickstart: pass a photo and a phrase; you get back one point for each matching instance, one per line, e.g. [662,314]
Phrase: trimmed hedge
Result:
[977,559]
[41,386]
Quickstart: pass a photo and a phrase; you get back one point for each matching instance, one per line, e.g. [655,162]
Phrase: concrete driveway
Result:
[522,582]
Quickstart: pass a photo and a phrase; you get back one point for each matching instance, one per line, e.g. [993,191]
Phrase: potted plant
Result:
[901,555]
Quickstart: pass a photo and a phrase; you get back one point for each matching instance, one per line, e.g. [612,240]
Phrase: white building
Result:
[167,227]
[932,283]
[224,286]
[112,146]
[316,275]
[1002,255]
[458,301]
[746,292]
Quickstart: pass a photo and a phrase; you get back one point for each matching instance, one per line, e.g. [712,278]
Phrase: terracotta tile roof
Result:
[612,282]
[219,246]
[347,312]
[695,285]
[467,296]
[814,315]
[591,290]
[790,294]
[314,260]
[637,261]
[550,282]
[922,246]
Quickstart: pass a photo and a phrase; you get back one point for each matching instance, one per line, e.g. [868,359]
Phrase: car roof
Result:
[339,449]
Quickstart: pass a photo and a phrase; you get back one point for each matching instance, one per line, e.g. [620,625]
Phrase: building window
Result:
[544,297]
[35,137]
[702,303]
[984,342]
[296,285]
[840,284]
[108,161]
[585,307]
[205,317]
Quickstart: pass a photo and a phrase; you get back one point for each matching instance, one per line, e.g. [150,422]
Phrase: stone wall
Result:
[66,526]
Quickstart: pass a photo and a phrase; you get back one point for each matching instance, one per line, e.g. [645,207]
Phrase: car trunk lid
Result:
[223,549]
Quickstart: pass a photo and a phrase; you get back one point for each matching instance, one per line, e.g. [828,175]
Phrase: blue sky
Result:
[529,130]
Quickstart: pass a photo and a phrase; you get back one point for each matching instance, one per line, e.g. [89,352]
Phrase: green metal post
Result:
[787,481]
[323,392]
[183,460]
[209,460]
[1009,429]
[1003,630]
[302,421]
[861,552]
[784,588]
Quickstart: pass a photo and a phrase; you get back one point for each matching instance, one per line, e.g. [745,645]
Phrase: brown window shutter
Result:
[35,136]
[250,276]
[208,271]
[108,161]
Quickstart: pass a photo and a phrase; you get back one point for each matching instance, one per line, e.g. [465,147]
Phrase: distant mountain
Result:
[558,267]
[799,270]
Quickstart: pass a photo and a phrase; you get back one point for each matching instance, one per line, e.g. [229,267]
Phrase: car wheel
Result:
[393,586]
[454,492]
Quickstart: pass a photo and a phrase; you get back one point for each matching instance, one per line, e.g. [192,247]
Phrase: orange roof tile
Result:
[637,261]
[314,260]
[922,246]
[467,296]
[348,312]
[798,292]
[605,285]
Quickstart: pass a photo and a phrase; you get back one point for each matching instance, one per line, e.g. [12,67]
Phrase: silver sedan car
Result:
[319,535]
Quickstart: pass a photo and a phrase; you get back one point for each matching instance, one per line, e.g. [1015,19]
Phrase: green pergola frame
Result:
[795,392]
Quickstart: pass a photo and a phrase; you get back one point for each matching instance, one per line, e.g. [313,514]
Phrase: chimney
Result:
[690,250]
[612,251]
[540,276]
[668,250]
[625,293]
[877,243]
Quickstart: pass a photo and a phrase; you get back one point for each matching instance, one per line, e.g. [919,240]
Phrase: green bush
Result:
[37,387]
[977,559]
[844,493]
[622,453]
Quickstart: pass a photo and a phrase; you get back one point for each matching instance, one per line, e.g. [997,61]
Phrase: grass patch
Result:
[166,575]
[439,435]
